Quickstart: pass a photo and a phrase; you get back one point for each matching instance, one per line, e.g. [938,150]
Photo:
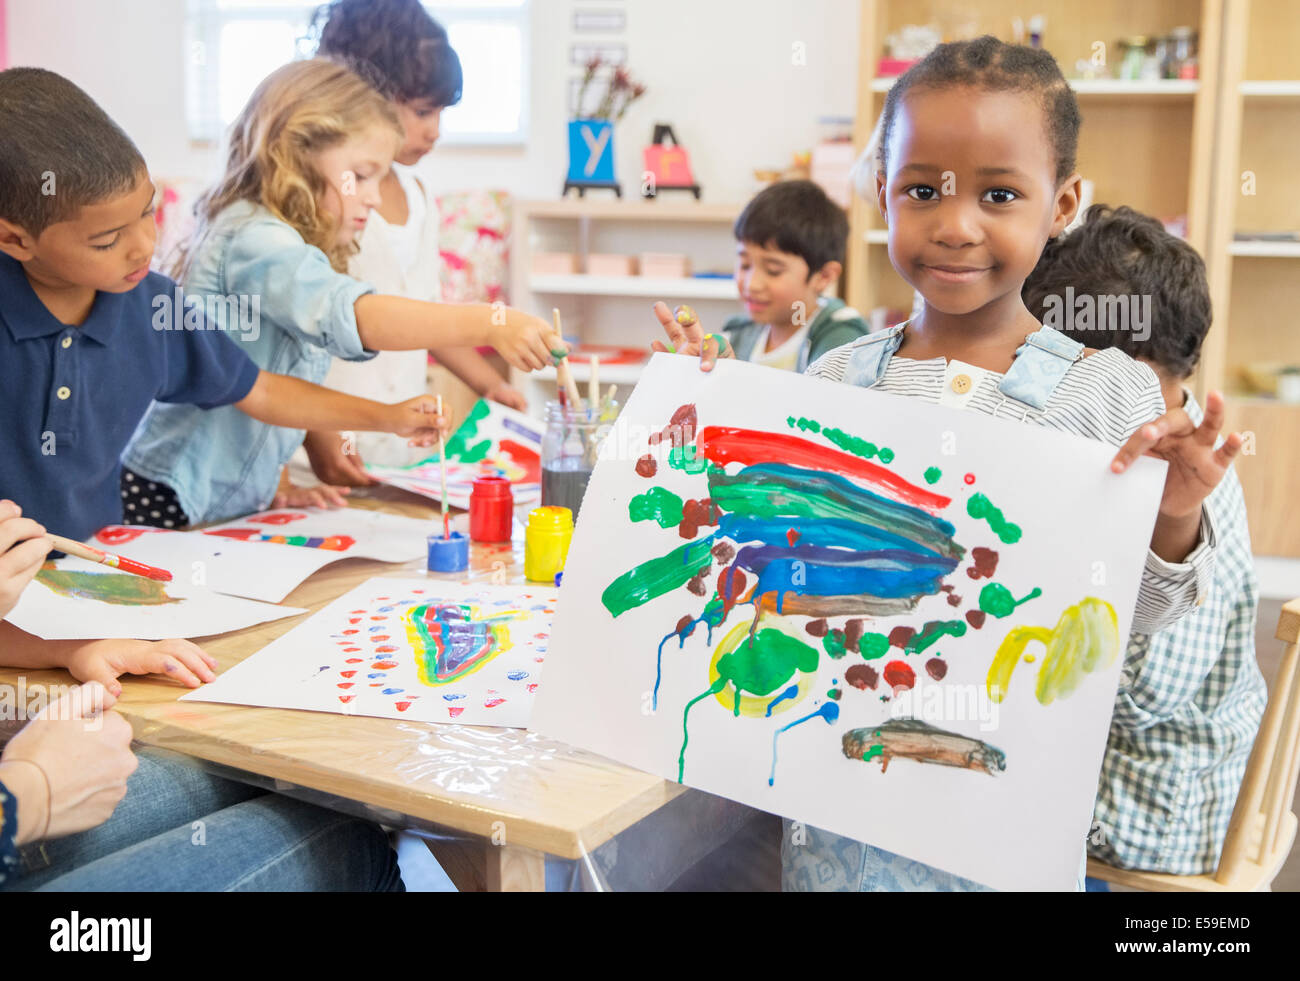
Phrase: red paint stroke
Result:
[969,478]
[647,466]
[346,698]
[347,674]
[118,535]
[726,444]
[523,456]
[401,706]
[899,676]
[454,712]
[345,684]
[383,665]
[493,702]
[680,429]
[532,689]
[378,637]
[283,518]
[792,536]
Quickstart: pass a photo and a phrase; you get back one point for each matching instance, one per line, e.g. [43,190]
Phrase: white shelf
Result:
[689,288]
[1265,250]
[1283,90]
[1101,86]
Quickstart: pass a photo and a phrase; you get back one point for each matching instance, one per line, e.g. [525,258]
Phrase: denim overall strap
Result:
[1041,362]
[871,356]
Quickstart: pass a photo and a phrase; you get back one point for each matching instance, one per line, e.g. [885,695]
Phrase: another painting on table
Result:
[266,556]
[415,649]
[493,441]
[899,622]
[71,599]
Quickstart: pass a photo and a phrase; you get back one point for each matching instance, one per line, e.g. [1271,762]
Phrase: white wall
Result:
[720,71]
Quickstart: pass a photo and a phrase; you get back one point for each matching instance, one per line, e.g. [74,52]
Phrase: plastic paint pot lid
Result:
[550,518]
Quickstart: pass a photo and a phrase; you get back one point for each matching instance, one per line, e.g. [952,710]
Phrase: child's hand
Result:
[1195,466]
[505,394]
[18,563]
[104,660]
[525,341]
[334,460]
[321,496]
[688,337]
[419,419]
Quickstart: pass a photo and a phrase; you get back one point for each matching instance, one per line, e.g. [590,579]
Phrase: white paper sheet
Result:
[493,441]
[79,600]
[266,556]
[416,649]
[843,502]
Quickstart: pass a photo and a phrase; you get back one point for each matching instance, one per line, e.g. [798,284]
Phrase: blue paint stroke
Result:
[830,712]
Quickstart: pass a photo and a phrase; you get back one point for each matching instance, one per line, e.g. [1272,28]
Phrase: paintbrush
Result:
[593,390]
[118,562]
[563,376]
[442,467]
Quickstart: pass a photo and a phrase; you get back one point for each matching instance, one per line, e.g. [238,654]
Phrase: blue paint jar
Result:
[448,554]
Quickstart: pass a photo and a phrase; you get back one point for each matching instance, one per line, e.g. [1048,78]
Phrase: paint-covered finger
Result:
[676,335]
[173,667]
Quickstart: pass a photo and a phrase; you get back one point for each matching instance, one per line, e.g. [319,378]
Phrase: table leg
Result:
[464,863]
[514,869]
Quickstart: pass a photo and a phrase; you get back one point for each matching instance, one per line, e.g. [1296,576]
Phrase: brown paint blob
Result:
[975,618]
[816,627]
[899,636]
[936,668]
[861,676]
[852,634]
[724,553]
[647,466]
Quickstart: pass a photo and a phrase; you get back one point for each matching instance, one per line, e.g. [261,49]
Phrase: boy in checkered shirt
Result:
[1191,696]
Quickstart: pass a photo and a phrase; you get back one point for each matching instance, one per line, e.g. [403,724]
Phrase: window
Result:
[234,44]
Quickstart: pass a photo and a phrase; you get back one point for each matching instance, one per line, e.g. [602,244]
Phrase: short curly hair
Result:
[394,44]
[993,65]
[1122,252]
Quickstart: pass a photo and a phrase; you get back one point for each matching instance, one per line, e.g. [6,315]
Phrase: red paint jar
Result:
[491,510]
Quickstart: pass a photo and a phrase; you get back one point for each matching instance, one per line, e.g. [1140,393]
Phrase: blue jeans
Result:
[180,829]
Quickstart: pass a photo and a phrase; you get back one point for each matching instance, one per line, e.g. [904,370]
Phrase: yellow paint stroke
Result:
[1086,639]
[756,706]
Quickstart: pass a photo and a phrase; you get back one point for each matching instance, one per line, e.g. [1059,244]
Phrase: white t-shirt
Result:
[785,357]
[398,260]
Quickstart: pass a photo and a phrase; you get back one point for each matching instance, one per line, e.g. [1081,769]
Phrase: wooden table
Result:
[513,796]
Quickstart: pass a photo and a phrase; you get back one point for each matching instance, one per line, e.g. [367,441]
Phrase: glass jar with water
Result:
[569,451]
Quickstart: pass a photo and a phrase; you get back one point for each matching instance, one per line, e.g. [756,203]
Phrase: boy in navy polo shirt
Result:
[81,355]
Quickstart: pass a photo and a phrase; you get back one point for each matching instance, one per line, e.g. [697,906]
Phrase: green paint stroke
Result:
[942,628]
[657,576]
[932,475]
[872,646]
[872,752]
[996,599]
[833,642]
[980,506]
[459,446]
[115,588]
[804,425]
[687,459]
[658,505]
[762,663]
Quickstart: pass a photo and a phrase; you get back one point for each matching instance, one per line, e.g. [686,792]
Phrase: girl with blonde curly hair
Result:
[305,161]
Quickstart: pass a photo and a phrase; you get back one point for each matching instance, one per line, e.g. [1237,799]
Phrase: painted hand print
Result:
[413,649]
[776,577]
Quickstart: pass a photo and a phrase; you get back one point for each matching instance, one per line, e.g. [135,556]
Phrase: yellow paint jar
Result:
[546,543]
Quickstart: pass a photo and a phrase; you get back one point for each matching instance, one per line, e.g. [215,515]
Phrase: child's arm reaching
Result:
[280,400]
[475,371]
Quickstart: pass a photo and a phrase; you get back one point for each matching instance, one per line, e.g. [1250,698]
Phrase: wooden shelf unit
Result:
[1165,127]
[1255,285]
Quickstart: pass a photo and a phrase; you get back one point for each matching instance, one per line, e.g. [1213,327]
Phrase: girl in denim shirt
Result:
[268,262]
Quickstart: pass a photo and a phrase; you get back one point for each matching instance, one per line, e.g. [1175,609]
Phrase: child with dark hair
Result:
[1186,717]
[81,359]
[406,54]
[790,243]
[975,173]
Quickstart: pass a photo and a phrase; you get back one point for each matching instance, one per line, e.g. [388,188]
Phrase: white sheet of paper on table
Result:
[374,652]
[1013,806]
[493,440]
[266,556]
[80,600]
